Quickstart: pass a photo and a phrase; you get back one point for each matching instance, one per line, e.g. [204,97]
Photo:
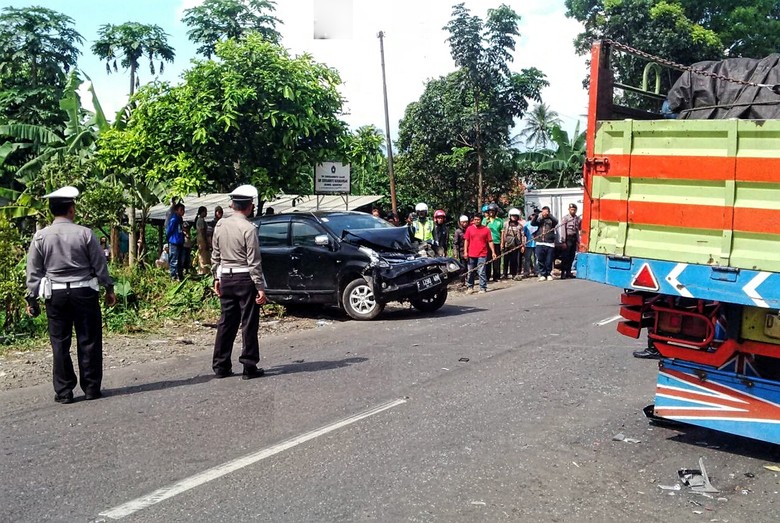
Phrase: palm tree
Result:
[130,42]
[538,127]
[217,20]
[558,166]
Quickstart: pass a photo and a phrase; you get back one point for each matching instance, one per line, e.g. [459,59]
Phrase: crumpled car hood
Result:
[389,239]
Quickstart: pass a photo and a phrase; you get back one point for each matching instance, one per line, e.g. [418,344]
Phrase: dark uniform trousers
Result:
[238,307]
[79,308]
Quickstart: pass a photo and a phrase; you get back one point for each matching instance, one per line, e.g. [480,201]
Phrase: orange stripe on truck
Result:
[762,221]
[692,168]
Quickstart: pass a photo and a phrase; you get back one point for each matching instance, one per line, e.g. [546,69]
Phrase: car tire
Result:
[359,301]
[432,302]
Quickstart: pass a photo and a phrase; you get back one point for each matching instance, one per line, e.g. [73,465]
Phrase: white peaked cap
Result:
[244,192]
[64,193]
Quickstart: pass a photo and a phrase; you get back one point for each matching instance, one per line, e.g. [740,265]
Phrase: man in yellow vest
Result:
[423,227]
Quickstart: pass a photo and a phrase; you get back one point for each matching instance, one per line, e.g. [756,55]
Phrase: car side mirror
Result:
[322,240]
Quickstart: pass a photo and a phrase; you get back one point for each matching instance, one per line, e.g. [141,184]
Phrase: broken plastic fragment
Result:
[618,437]
[697,480]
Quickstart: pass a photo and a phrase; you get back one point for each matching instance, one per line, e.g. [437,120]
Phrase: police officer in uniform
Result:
[65,267]
[240,285]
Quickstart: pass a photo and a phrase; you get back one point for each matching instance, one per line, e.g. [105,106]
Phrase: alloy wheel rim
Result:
[362,299]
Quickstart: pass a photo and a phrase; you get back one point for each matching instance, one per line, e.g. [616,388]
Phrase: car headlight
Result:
[453,267]
[376,260]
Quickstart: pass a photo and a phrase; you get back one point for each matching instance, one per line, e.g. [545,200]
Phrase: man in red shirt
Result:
[476,243]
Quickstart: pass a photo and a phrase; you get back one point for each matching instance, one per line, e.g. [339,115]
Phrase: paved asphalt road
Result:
[521,431]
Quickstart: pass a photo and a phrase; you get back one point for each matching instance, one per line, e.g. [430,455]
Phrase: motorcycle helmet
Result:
[440,214]
[514,212]
[421,207]
[485,208]
[493,207]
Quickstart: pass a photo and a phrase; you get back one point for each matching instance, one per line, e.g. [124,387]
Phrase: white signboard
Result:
[332,178]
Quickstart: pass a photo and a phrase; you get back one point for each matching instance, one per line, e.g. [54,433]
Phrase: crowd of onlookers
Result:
[493,247]
[490,246]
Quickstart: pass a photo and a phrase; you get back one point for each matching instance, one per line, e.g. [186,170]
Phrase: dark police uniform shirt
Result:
[65,253]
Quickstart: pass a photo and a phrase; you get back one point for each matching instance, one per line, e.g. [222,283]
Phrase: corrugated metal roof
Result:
[281,204]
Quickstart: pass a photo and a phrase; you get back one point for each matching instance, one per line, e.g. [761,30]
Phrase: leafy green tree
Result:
[684,31]
[538,125]
[482,50]
[38,47]
[217,20]
[128,43]
[558,166]
[256,115]
[364,151]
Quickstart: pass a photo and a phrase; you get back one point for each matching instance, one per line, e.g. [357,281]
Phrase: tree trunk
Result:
[132,80]
[479,152]
[115,244]
[132,248]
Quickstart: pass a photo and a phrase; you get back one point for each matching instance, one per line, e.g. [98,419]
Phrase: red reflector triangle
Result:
[645,279]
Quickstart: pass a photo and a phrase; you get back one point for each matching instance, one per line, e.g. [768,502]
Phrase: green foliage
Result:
[364,151]
[538,127]
[128,43]
[454,141]
[38,46]
[558,166]
[12,276]
[255,116]
[146,298]
[218,20]
[684,31]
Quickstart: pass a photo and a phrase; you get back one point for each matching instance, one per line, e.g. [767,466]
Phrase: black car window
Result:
[304,233]
[273,234]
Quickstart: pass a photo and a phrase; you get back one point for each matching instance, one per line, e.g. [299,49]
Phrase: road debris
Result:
[670,487]
[773,468]
[697,480]
[622,437]
[480,503]
[464,360]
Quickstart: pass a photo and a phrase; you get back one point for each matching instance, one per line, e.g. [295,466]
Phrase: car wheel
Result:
[432,302]
[359,301]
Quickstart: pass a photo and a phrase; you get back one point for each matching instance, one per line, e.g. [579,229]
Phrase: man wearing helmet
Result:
[441,233]
[421,225]
[511,243]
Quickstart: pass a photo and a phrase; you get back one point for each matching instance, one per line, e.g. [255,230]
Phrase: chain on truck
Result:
[682,211]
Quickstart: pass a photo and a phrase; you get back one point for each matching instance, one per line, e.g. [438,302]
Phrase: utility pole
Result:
[381,36]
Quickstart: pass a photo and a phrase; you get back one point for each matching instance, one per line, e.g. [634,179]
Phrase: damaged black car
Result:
[350,259]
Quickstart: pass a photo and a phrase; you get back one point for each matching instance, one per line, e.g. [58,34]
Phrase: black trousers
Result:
[568,256]
[238,308]
[493,268]
[79,308]
[512,261]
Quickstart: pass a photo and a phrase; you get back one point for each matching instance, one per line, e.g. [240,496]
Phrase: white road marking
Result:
[607,320]
[751,289]
[186,484]
[675,283]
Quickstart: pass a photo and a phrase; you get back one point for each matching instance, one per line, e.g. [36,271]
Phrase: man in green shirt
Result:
[496,225]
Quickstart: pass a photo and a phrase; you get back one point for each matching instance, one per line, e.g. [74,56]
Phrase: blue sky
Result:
[415,47]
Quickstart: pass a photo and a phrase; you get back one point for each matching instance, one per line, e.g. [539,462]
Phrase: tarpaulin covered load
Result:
[695,96]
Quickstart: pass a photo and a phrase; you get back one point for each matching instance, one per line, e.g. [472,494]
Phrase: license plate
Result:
[428,282]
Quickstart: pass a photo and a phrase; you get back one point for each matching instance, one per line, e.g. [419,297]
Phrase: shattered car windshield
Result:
[338,223]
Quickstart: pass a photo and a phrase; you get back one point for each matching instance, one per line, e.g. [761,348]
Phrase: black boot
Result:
[650,353]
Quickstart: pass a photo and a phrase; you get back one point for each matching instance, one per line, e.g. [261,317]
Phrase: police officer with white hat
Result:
[240,285]
[65,267]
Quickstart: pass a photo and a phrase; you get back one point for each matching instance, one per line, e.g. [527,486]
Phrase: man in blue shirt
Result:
[175,236]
